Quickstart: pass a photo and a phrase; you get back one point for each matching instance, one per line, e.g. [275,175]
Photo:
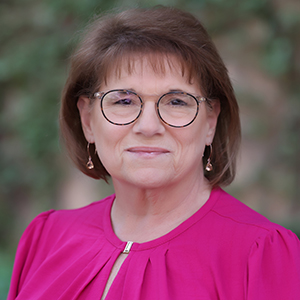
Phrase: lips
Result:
[151,151]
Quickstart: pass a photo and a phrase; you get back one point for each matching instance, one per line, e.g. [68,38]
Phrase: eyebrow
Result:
[142,94]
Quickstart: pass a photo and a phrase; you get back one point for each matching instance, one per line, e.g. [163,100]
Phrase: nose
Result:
[149,123]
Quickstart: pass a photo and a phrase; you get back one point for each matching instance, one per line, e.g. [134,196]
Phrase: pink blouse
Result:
[224,251]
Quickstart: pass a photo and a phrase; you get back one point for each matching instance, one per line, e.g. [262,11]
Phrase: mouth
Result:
[148,151]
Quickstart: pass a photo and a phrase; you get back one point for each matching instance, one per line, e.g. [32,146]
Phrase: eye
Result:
[177,102]
[125,101]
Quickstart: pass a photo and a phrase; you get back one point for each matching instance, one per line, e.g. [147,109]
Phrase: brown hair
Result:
[163,31]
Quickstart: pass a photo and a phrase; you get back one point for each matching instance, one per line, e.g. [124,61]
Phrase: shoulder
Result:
[234,211]
[56,226]
[233,220]
[63,234]
[71,218]
[90,214]
[269,250]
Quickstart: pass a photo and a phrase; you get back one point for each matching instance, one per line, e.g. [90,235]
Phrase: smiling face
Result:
[149,153]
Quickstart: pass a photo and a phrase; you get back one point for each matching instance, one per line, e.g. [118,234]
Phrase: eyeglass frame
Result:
[101,95]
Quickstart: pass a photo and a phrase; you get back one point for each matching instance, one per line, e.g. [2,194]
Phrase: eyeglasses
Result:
[123,107]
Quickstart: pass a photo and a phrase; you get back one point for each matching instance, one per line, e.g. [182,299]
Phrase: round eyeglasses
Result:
[123,107]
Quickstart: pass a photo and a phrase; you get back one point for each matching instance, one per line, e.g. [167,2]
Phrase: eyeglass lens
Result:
[121,107]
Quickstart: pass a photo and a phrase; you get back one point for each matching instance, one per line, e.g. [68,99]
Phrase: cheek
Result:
[195,135]
[101,136]
[192,144]
[107,153]
[109,139]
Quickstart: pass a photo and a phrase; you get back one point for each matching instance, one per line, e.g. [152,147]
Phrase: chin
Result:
[150,179]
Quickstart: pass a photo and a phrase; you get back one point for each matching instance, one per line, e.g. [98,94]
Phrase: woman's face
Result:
[149,153]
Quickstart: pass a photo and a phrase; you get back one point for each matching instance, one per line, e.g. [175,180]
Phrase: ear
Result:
[85,110]
[213,111]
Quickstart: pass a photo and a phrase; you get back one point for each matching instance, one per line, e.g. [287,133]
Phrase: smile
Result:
[148,151]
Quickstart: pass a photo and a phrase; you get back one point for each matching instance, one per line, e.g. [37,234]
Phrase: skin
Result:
[156,170]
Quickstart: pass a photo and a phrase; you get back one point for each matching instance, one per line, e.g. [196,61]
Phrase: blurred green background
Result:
[259,41]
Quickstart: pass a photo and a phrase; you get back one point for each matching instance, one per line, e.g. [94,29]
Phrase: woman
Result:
[148,102]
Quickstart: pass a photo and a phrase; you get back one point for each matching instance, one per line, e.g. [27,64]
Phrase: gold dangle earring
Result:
[89,164]
[209,166]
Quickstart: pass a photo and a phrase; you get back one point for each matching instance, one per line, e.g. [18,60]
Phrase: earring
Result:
[89,164]
[209,166]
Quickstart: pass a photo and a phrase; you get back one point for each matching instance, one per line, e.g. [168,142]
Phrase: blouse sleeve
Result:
[27,248]
[274,267]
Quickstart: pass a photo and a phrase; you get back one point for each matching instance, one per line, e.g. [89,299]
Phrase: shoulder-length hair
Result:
[156,32]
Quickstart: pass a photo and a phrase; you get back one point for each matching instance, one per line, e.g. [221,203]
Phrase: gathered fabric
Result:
[224,251]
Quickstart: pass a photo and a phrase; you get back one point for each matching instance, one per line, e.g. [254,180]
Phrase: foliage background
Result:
[259,41]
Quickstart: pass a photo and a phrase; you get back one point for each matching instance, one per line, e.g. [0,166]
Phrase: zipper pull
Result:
[127,247]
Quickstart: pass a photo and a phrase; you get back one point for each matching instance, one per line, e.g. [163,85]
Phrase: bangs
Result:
[125,61]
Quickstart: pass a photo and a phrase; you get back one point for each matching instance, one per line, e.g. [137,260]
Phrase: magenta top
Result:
[225,251]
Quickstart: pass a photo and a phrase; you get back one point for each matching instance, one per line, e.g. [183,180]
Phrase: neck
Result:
[140,214]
